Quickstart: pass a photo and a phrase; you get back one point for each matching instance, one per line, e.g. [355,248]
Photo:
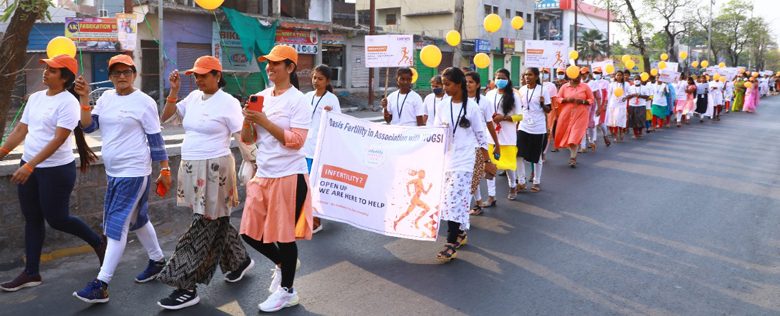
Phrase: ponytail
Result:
[86,155]
[293,75]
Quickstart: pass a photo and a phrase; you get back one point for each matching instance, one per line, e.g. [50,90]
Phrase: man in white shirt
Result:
[404,106]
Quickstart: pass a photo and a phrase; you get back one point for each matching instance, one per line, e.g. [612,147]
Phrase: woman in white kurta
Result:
[616,107]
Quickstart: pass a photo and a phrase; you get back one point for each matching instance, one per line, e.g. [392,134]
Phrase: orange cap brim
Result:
[271,58]
[56,64]
[198,70]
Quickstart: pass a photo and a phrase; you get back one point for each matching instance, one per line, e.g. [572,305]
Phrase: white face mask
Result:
[545,76]
[560,77]
[597,77]
[637,82]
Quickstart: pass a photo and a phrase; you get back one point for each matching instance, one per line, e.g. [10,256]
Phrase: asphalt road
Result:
[681,222]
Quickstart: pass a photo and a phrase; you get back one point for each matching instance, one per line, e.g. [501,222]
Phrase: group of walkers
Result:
[506,129]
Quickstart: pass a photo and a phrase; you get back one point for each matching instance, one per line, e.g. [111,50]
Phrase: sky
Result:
[770,11]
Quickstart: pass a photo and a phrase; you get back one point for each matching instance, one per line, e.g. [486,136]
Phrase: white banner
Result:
[668,76]
[127,30]
[389,51]
[380,178]
[602,65]
[546,54]
[672,66]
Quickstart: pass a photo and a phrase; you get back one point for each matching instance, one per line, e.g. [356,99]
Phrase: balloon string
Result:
[81,58]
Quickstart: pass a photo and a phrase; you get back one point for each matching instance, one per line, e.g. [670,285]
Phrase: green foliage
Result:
[26,7]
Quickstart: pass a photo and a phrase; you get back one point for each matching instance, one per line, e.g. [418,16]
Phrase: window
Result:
[488,9]
[508,14]
[528,18]
[390,19]
[518,13]
[495,9]
[150,68]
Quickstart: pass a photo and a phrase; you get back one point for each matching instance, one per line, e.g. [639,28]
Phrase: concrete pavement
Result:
[681,222]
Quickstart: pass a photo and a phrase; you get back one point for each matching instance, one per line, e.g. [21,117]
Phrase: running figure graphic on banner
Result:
[405,58]
[415,202]
[558,60]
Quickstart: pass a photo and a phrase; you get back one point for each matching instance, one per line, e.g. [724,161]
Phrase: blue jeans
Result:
[46,196]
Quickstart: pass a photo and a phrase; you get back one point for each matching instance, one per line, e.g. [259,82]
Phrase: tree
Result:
[13,47]
[673,25]
[759,41]
[733,21]
[592,45]
[625,13]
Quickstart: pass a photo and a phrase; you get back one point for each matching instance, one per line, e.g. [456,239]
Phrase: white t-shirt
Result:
[43,114]
[124,123]
[485,108]
[316,106]
[289,110]
[464,141]
[679,89]
[659,94]
[432,103]
[728,91]
[534,119]
[716,92]
[507,135]
[405,108]
[615,101]
[639,90]
[208,124]
[551,89]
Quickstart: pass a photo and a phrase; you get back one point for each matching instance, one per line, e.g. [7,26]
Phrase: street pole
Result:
[709,33]
[458,54]
[609,51]
[371,31]
[575,24]
[161,50]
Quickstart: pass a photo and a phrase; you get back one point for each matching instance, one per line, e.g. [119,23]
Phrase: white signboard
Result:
[371,176]
[389,51]
[546,54]
[668,76]
[127,30]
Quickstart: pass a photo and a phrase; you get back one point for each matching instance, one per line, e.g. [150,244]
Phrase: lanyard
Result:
[401,109]
[495,104]
[460,114]
[318,102]
[434,105]
[529,98]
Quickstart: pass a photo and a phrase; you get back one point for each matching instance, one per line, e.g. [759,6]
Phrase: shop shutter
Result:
[515,70]
[359,70]
[186,54]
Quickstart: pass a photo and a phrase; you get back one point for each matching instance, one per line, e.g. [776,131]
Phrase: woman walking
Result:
[464,120]
[532,133]
[616,107]
[751,96]
[433,101]
[130,130]
[321,99]
[206,183]
[473,86]
[739,92]
[684,109]
[576,99]
[702,98]
[47,171]
[277,211]
[660,92]
[504,102]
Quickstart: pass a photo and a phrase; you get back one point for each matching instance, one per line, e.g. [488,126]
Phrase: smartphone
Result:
[161,190]
[497,156]
[255,103]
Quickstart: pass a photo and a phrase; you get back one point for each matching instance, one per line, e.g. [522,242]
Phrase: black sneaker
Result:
[23,280]
[179,299]
[235,276]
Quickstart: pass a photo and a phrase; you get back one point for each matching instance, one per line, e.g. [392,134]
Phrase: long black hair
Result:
[508,101]
[456,75]
[293,75]
[475,76]
[326,72]
[536,73]
[86,155]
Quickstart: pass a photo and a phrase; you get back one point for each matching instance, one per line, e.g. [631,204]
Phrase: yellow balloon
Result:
[430,56]
[644,76]
[695,64]
[572,72]
[618,92]
[492,23]
[610,68]
[209,4]
[415,75]
[662,65]
[722,79]
[748,84]
[574,54]
[625,58]
[716,77]
[481,60]
[453,38]
[517,23]
[630,64]
[664,56]
[722,65]
[704,64]
[654,72]
[683,55]
[61,45]
[754,74]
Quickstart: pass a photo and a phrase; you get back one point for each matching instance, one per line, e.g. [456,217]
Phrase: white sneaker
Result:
[278,300]
[276,277]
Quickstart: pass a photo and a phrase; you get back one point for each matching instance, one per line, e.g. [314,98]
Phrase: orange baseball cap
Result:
[584,70]
[62,61]
[560,71]
[280,53]
[597,70]
[547,70]
[121,59]
[204,65]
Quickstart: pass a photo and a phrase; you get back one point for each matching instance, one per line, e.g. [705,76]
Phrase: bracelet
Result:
[166,173]
[86,108]
[28,167]
[171,99]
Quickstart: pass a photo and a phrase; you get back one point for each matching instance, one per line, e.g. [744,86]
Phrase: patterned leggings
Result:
[206,244]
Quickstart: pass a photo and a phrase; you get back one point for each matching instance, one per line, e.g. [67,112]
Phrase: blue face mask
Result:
[560,77]
[501,83]
[545,76]
[438,91]
[597,77]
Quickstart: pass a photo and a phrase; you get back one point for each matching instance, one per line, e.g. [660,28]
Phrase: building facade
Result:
[555,22]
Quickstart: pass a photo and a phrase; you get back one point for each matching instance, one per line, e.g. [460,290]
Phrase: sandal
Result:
[492,202]
[592,147]
[536,188]
[476,211]
[606,141]
[462,240]
[573,162]
[447,254]
[522,187]
[512,194]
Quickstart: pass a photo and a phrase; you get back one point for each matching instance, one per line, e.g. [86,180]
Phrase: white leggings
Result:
[115,248]
[511,177]
[537,170]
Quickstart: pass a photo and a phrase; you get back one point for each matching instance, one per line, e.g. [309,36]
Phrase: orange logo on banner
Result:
[377,48]
[344,175]
[535,51]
